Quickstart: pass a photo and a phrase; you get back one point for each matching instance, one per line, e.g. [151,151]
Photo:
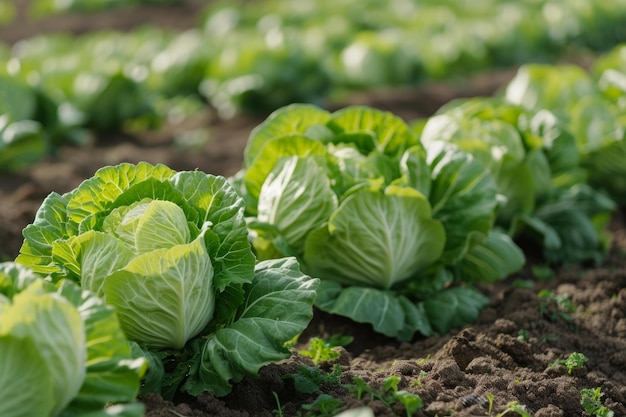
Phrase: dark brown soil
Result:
[506,354]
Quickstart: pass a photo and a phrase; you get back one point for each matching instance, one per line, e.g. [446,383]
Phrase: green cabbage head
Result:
[63,347]
[150,242]
[170,252]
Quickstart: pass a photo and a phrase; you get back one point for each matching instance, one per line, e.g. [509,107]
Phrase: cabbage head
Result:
[62,351]
[387,224]
[170,252]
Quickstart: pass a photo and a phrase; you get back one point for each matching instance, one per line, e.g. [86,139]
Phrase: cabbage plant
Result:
[394,230]
[591,110]
[536,164]
[170,252]
[62,351]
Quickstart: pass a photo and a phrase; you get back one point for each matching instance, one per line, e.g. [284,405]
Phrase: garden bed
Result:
[535,319]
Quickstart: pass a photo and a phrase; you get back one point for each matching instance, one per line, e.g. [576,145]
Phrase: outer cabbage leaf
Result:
[277,307]
[98,194]
[571,228]
[376,239]
[552,87]
[24,376]
[295,199]
[495,258]
[269,156]
[289,120]
[453,307]
[463,197]
[227,241]
[389,313]
[391,134]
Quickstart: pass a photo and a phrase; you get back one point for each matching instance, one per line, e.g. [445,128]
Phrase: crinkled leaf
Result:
[390,314]
[454,307]
[220,205]
[289,120]
[96,194]
[48,226]
[277,307]
[391,134]
[494,259]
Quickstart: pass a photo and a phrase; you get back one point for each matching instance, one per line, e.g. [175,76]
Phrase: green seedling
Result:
[565,307]
[389,395]
[391,383]
[418,381]
[324,406]
[321,350]
[591,400]
[411,402]
[358,388]
[522,335]
[309,378]
[279,409]
[574,361]
[514,407]
[490,398]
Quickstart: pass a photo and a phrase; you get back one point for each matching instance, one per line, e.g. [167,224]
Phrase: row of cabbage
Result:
[355,212]
[264,55]
[44,8]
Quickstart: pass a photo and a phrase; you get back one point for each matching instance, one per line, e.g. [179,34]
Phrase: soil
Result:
[506,355]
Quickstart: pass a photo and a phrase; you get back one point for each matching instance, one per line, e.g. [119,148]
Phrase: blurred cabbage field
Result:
[258,56]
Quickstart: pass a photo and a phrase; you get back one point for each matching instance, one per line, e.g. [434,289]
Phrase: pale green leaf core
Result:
[164,297]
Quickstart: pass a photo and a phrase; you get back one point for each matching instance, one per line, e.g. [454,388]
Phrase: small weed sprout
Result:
[309,378]
[324,405]
[591,400]
[574,361]
[411,402]
[522,335]
[514,407]
[490,402]
[321,350]
[389,395]
[359,387]
[564,304]
[418,381]
[278,412]
[391,383]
